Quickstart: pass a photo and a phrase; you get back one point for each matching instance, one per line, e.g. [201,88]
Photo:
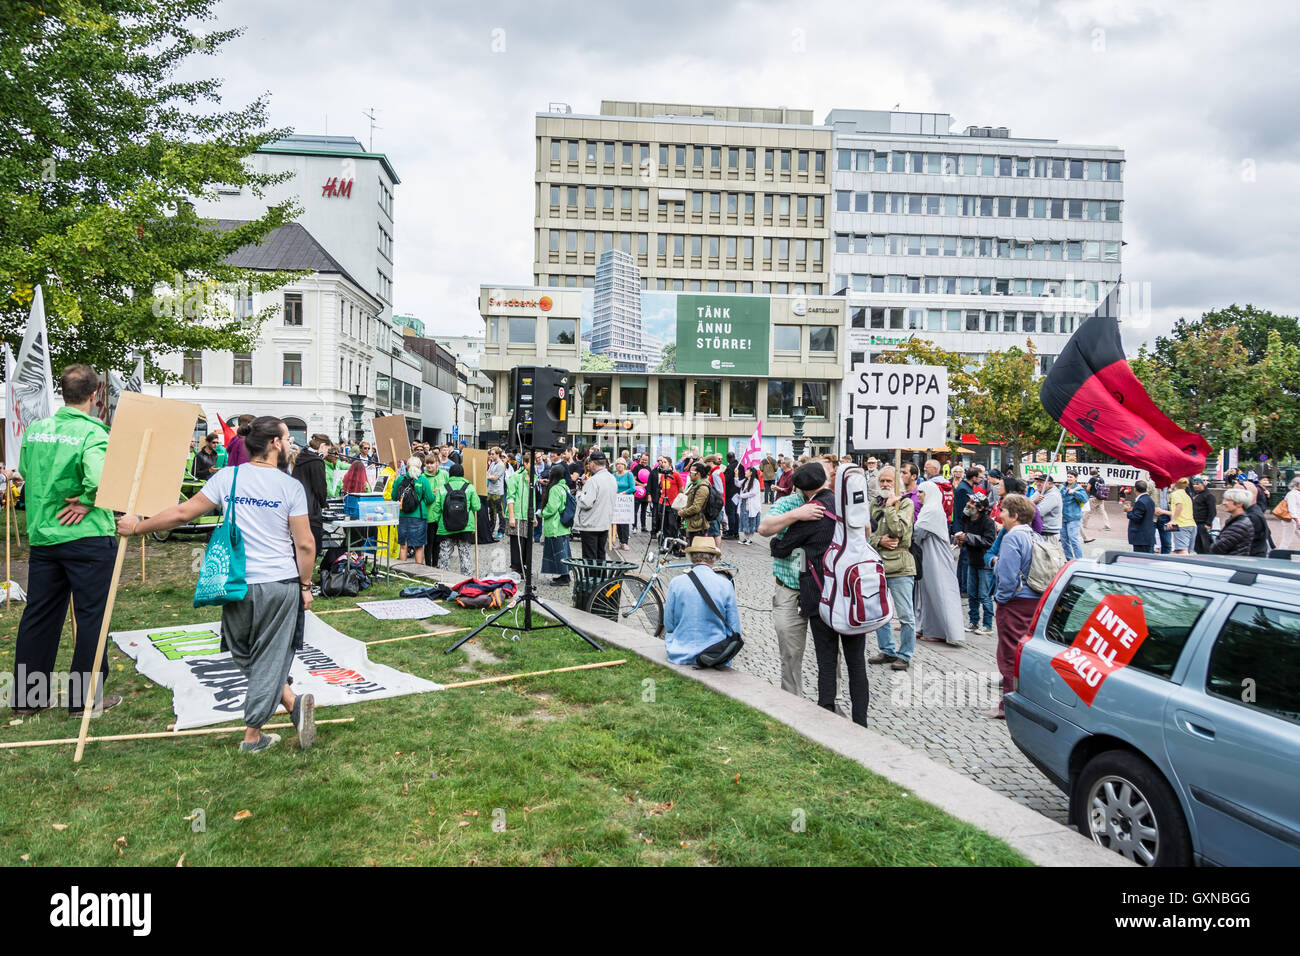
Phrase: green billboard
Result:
[723,334]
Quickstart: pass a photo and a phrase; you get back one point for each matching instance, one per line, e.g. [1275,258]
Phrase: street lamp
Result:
[358,403]
[798,414]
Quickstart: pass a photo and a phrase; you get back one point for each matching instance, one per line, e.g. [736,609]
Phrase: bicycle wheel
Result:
[629,599]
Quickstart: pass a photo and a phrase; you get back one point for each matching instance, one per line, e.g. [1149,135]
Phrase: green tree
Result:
[1005,405]
[101,152]
[668,358]
[1254,326]
[592,362]
[1270,397]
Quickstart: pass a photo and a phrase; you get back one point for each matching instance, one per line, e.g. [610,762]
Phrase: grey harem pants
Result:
[258,631]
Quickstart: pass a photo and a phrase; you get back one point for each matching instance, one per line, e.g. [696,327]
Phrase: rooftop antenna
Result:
[371,116]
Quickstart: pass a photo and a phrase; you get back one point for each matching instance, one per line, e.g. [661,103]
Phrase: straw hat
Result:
[703,545]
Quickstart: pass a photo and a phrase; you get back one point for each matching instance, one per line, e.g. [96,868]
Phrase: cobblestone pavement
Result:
[933,707]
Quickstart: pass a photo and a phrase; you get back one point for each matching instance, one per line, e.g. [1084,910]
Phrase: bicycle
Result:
[637,599]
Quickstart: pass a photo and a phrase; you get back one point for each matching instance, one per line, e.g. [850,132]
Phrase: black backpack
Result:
[455,508]
[570,511]
[713,507]
[408,495]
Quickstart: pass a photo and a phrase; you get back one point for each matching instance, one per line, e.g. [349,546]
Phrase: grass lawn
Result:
[622,765]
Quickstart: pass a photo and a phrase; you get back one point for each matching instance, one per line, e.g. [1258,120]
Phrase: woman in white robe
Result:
[938,600]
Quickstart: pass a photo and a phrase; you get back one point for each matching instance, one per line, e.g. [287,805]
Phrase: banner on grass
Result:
[209,688]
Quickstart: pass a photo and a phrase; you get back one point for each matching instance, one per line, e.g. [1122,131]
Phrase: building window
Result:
[821,338]
[744,392]
[597,394]
[708,396]
[243,368]
[1258,640]
[381,389]
[562,331]
[293,308]
[814,399]
[292,368]
[672,396]
[523,329]
[192,370]
[780,399]
[632,395]
[785,338]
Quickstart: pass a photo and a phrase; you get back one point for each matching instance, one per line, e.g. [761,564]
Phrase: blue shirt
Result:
[1073,499]
[689,623]
[1012,569]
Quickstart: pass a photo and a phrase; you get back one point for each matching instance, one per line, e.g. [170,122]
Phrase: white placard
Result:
[1111,474]
[895,406]
[624,508]
[402,609]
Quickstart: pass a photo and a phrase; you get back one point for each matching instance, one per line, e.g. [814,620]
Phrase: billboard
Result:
[687,333]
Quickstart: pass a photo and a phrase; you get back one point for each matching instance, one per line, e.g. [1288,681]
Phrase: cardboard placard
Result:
[475,463]
[171,426]
[390,436]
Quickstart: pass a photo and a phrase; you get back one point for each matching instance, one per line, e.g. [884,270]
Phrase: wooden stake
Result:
[88,700]
[411,637]
[338,610]
[142,537]
[156,736]
[474,481]
[558,670]
[8,575]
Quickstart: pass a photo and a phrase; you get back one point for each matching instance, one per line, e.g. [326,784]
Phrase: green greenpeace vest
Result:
[62,457]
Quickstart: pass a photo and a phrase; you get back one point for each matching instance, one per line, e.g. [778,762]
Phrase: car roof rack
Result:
[1248,575]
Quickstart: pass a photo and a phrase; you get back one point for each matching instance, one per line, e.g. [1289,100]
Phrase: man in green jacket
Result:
[72,548]
[456,530]
[891,522]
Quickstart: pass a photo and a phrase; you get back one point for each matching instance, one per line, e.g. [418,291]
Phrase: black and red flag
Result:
[1092,393]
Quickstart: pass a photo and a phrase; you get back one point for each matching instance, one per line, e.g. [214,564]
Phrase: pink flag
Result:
[754,453]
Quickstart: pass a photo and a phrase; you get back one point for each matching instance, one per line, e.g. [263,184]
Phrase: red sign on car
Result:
[1106,642]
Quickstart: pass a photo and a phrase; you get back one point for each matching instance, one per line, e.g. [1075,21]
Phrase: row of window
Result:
[978,247]
[706,393]
[385,198]
[385,286]
[961,320]
[353,321]
[731,252]
[385,244]
[1002,207]
[952,164]
[971,285]
[242,374]
[681,156]
[696,285]
[522,330]
[404,395]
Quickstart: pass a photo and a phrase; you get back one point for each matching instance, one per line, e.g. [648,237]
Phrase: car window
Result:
[1170,615]
[1256,661]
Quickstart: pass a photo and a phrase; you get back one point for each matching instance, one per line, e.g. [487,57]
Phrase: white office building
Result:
[976,240]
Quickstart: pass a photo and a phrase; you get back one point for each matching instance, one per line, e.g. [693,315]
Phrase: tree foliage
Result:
[1005,405]
[101,152]
[593,362]
[668,358]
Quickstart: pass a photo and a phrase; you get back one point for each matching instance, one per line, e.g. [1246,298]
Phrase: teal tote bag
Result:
[222,579]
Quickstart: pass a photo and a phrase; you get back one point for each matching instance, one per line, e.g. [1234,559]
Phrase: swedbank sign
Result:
[723,334]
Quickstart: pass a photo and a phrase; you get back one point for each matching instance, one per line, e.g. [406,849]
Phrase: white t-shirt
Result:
[265,500]
[1293,504]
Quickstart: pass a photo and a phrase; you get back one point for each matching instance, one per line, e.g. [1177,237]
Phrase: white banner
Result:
[402,609]
[208,687]
[30,384]
[1111,474]
[624,508]
[894,406]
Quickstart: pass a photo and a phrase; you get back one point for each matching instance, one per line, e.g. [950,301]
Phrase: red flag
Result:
[1092,392]
[227,433]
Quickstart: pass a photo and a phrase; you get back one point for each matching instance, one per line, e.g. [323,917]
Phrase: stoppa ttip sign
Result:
[1106,642]
[896,406]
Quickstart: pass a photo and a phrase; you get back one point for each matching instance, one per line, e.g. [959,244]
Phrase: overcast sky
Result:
[1201,96]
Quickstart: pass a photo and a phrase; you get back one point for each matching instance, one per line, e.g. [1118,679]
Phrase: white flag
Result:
[136,382]
[31,385]
[12,444]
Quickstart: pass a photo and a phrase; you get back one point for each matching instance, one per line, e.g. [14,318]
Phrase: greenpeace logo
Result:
[77,909]
[51,438]
[257,502]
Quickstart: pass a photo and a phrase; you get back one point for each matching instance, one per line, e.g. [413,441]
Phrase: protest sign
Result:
[209,688]
[624,508]
[475,463]
[402,609]
[392,443]
[1118,475]
[895,406]
[1105,644]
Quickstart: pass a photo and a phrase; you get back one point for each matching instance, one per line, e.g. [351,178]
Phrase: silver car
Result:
[1189,752]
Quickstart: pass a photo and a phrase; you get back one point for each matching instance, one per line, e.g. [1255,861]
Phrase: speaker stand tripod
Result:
[529,597]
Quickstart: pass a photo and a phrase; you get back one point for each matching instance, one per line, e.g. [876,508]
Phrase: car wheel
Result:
[1124,804]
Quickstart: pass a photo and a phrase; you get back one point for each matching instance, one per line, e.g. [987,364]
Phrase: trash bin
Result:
[589,575]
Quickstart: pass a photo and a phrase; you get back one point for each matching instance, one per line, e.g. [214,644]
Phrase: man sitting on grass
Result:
[690,625]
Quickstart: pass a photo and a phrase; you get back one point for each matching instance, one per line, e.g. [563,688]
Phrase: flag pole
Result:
[8,576]
[1058,443]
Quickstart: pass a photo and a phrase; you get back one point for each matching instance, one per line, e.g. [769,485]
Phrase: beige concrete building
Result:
[704,198]
[801,363]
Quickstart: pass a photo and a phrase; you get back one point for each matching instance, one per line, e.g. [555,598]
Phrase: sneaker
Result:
[560,581]
[303,716]
[265,742]
[931,640]
[986,629]
[111,701]
[881,658]
[27,711]
[993,713]
[898,665]
[1091,540]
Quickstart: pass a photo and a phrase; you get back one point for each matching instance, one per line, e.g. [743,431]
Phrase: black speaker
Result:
[540,418]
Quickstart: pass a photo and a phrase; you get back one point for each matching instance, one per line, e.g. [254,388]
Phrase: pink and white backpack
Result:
[855,595]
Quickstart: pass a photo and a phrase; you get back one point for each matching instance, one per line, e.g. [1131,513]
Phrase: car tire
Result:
[1122,802]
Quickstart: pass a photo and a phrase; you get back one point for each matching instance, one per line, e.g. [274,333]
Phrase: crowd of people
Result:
[943,533]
